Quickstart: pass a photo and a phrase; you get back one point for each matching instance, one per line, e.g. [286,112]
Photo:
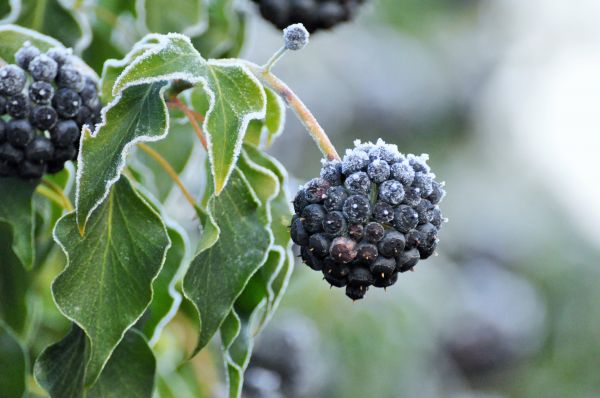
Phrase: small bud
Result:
[295,37]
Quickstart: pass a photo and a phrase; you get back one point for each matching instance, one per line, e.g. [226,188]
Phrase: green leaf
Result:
[111,267]
[129,372]
[54,19]
[166,298]
[12,38]
[236,97]
[9,10]
[225,30]
[137,113]
[189,17]
[61,368]
[13,364]
[234,245]
[173,57]
[261,133]
[17,211]
[14,282]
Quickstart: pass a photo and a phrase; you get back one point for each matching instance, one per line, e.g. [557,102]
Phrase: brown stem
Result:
[193,117]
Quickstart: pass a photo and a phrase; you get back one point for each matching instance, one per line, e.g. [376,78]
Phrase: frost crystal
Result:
[296,37]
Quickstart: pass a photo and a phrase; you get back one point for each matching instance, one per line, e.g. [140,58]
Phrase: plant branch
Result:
[50,195]
[171,172]
[66,202]
[193,117]
[306,117]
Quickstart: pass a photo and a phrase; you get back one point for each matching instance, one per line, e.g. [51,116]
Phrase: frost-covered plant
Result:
[125,277]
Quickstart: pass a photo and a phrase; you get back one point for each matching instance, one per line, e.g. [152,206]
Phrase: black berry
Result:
[12,80]
[44,117]
[41,92]
[43,68]
[18,106]
[20,132]
[25,54]
[65,133]
[66,102]
[70,77]
[39,150]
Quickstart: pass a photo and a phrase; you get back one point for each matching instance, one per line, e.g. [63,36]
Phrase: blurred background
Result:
[505,97]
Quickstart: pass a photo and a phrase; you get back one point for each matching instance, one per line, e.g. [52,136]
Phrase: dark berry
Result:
[424,183]
[310,259]
[62,154]
[412,196]
[360,275]
[356,292]
[89,94]
[3,130]
[300,201]
[335,268]
[405,218]
[385,281]
[334,224]
[407,260]
[419,163]
[43,68]
[385,152]
[60,55]
[312,218]
[18,106]
[276,11]
[70,77]
[367,252]
[318,244]
[66,102]
[378,170]
[383,212]
[84,116]
[44,117]
[9,153]
[41,92]
[3,103]
[392,244]
[413,238]
[31,170]
[295,37]
[7,169]
[332,172]
[357,209]
[356,231]
[298,233]
[335,280]
[383,267]
[392,192]
[403,173]
[316,190]
[65,133]
[25,54]
[54,166]
[355,160]
[39,150]
[435,217]
[343,249]
[374,232]
[422,210]
[437,193]
[358,183]
[12,80]
[330,14]
[20,132]
[335,198]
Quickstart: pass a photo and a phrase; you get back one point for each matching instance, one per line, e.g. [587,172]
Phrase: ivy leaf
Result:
[52,18]
[9,11]
[14,282]
[137,113]
[225,31]
[259,298]
[16,210]
[130,372]
[61,371]
[111,267]
[12,38]
[166,298]
[261,133]
[13,364]
[236,97]
[189,17]
[234,245]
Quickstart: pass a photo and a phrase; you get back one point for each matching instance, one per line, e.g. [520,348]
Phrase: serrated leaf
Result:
[189,17]
[236,97]
[61,368]
[261,133]
[17,211]
[13,364]
[14,282]
[112,266]
[166,298]
[234,247]
[52,18]
[137,113]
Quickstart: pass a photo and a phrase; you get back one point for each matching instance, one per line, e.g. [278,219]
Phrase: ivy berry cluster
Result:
[44,102]
[313,14]
[368,217]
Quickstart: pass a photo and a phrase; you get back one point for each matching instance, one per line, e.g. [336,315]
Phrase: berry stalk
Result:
[302,112]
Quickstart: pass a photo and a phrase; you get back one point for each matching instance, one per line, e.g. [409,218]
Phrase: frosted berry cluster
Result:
[44,102]
[368,217]
[314,14]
